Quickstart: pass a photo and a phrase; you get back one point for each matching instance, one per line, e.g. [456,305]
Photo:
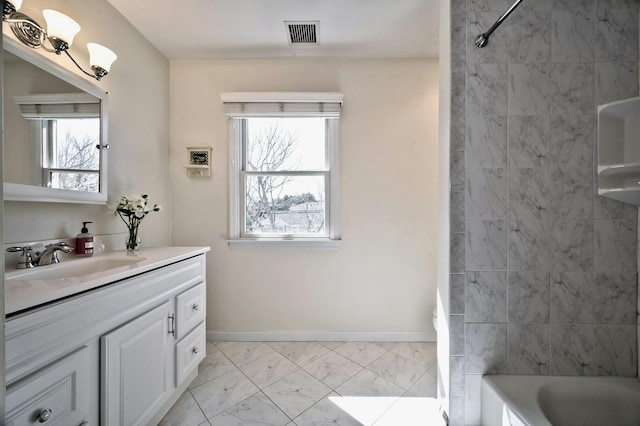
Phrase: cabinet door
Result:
[137,368]
[56,395]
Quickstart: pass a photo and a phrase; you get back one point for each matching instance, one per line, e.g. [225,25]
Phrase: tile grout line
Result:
[302,368]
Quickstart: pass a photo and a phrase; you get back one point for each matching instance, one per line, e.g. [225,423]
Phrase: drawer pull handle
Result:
[195,350]
[196,307]
[172,325]
[45,415]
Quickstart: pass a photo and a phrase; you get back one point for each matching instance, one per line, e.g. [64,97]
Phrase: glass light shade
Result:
[100,56]
[17,4]
[60,26]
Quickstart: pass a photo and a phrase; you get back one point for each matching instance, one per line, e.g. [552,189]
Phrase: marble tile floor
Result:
[311,384]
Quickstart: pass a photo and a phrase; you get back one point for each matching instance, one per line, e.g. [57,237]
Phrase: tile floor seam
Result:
[198,404]
[276,405]
[299,367]
[204,383]
[266,396]
[312,405]
[361,348]
[350,377]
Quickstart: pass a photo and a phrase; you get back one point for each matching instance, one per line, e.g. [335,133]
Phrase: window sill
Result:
[284,244]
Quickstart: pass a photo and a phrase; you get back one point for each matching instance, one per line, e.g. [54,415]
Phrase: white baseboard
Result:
[320,336]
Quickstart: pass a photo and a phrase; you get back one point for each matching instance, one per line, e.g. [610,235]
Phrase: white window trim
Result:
[235,165]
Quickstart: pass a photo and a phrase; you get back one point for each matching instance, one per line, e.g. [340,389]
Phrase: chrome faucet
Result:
[28,260]
[51,250]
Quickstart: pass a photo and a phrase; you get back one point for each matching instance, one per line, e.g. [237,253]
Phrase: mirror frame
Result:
[33,193]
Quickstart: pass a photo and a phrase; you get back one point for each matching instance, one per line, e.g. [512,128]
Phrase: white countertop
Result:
[24,292]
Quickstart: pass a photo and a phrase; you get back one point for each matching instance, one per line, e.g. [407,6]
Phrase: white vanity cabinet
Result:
[111,355]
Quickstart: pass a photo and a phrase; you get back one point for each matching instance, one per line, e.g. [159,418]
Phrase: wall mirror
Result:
[55,131]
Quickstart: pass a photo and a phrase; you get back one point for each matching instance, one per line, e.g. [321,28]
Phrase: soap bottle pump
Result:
[84,241]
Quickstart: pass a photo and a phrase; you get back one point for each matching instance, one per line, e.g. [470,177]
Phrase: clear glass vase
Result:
[133,240]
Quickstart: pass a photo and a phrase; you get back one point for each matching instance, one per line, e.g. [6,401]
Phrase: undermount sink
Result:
[72,269]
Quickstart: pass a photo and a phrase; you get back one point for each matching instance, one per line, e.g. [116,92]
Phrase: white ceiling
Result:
[217,29]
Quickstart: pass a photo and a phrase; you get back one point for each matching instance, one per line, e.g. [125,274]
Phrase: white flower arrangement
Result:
[132,209]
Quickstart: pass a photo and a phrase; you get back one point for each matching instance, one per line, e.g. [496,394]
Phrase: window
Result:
[70,159]
[284,168]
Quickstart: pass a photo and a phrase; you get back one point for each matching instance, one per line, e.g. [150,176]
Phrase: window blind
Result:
[279,104]
[62,105]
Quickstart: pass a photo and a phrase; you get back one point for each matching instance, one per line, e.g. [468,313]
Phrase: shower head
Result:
[481,40]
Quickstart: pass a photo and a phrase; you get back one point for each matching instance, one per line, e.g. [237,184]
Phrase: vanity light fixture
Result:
[59,34]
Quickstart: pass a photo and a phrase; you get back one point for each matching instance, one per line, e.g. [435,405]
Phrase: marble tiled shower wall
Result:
[543,270]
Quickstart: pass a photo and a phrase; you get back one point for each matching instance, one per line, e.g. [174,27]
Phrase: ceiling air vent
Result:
[302,32]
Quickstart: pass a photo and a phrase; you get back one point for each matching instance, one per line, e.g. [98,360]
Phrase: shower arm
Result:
[483,39]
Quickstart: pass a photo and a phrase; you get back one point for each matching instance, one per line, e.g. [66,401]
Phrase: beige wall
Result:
[138,87]
[383,278]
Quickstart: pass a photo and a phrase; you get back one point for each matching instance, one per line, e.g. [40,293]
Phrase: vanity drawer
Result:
[189,352]
[55,395]
[191,309]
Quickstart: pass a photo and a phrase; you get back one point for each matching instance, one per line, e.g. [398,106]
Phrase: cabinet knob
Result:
[196,307]
[45,415]
[195,350]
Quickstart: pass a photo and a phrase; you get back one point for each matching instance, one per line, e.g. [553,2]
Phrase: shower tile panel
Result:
[572,245]
[456,170]
[615,245]
[571,297]
[485,245]
[615,350]
[456,252]
[615,81]
[528,297]
[528,137]
[616,35]
[486,141]
[614,297]
[486,348]
[529,36]
[572,88]
[572,140]
[486,297]
[572,34]
[457,293]
[488,5]
[572,350]
[486,89]
[571,193]
[529,194]
[528,348]
[528,245]
[528,89]
[486,196]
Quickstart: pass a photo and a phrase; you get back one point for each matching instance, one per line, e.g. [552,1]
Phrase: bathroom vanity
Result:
[109,340]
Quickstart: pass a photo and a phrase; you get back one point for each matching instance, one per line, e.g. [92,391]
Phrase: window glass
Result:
[291,143]
[69,149]
[277,204]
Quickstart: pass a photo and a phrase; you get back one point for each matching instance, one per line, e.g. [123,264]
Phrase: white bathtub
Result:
[560,401]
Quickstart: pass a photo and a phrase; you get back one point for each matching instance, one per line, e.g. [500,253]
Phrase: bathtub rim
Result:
[523,401]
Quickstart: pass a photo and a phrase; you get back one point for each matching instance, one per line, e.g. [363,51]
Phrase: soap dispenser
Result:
[84,241]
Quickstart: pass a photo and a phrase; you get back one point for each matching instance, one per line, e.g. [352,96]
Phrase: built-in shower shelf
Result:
[619,150]
[626,195]
[620,170]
